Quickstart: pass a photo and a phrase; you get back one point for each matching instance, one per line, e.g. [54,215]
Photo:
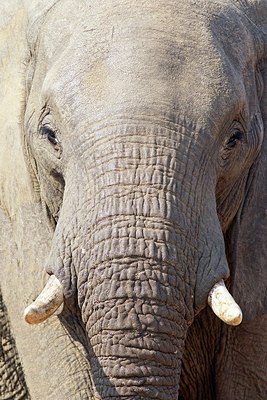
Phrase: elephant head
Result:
[145,133]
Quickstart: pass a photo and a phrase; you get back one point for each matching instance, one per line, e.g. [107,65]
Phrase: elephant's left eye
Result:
[50,134]
[234,139]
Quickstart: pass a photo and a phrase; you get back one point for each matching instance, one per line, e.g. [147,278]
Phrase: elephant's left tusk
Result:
[223,304]
[46,303]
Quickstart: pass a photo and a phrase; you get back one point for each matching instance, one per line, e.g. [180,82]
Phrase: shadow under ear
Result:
[248,236]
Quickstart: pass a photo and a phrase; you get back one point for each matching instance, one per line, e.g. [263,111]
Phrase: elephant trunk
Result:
[133,244]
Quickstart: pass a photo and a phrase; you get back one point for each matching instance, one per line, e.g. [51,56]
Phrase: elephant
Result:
[133,171]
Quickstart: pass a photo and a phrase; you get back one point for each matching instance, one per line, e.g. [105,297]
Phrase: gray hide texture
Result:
[133,166]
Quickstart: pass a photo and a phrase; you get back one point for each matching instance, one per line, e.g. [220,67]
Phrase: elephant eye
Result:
[50,134]
[234,139]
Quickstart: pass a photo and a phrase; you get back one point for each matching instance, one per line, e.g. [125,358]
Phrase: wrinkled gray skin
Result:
[144,133]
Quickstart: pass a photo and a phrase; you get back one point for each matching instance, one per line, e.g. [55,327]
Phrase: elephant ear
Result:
[16,16]
[249,232]
[14,179]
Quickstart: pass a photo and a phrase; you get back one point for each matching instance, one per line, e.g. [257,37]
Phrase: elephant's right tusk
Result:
[223,304]
[46,303]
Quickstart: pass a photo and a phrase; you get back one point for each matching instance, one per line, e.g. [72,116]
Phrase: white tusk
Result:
[223,304]
[46,303]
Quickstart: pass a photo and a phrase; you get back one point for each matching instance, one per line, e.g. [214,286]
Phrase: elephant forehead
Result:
[149,55]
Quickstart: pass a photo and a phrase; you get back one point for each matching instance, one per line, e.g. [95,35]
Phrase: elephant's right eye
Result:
[50,135]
